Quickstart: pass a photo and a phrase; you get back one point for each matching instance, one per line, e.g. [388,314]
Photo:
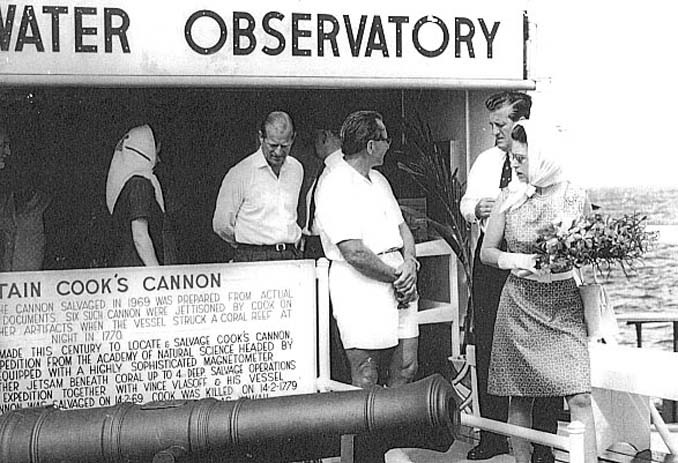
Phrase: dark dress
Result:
[137,201]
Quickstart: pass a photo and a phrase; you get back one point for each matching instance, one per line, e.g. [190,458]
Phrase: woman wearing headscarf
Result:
[540,345]
[135,200]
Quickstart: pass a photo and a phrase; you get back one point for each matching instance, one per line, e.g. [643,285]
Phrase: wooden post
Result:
[348,448]
[323,297]
[672,413]
[639,334]
[575,431]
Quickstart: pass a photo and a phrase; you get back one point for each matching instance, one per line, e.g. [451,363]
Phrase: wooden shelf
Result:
[435,312]
[432,311]
[437,247]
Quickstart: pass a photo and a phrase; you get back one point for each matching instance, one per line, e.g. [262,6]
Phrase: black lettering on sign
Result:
[247,32]
[467,38]
[415,36]
[55,11]
[26,289]
[489,36]
[188,32]
[81,30]
[79,287]
[119,31]
[11,353]
[377,39]
[398,21]
[41,351]
[28,20]
[296,33]
[330,36]
[274,33]
[355,40]
[6,27]
[122,284]
[275,27]
[116,22]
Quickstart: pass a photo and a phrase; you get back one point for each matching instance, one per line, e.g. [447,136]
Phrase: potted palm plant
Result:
[430,168]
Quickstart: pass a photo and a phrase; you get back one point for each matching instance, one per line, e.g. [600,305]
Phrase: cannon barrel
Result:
[422,414]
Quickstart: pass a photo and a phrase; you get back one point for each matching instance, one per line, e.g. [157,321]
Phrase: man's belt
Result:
[278,247]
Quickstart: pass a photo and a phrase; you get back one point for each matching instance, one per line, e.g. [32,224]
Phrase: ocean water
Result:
[653,286]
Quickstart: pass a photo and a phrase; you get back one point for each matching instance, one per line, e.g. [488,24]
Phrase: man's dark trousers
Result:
[487,285]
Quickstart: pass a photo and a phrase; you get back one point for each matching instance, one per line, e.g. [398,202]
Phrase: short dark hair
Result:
[276,118]
[318,131]
[518,134]
[520,102]
[359,128]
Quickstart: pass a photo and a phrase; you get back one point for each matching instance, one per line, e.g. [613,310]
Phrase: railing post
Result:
[323,311]
[575,431]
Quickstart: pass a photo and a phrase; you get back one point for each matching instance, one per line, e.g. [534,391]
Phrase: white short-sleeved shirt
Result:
[483,182]
[349,206]
[255,206]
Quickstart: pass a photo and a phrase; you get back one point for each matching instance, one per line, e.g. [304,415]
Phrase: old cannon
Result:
[423,414]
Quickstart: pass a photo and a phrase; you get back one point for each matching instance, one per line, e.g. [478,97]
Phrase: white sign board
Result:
[90,338]
[303,38]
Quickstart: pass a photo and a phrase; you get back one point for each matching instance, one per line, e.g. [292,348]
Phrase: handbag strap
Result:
[576,273]
[578,276]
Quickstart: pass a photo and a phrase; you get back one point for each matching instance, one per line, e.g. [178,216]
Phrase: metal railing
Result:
[572,443]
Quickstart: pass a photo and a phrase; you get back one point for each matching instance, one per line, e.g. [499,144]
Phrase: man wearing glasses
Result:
[256,209]
[374,270]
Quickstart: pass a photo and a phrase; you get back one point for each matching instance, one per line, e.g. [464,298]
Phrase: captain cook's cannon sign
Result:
[82,338]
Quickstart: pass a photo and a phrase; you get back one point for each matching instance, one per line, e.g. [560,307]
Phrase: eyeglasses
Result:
[519,158]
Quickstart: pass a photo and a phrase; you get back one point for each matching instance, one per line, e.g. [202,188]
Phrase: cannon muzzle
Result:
[424,414]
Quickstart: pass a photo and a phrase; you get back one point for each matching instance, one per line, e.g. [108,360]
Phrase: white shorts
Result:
[367,311]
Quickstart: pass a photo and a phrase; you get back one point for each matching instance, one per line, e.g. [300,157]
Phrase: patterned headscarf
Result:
[135,154]
[545,168]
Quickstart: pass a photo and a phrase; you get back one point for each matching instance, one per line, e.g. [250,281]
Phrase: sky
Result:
[606,76]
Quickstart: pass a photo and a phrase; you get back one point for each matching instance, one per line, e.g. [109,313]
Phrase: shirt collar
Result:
[260,162]
[345,165]
[334,157]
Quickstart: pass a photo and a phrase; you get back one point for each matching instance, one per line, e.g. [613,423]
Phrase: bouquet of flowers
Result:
[597,240]
[602,242]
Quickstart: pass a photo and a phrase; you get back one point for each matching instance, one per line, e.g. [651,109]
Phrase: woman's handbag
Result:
[599,316]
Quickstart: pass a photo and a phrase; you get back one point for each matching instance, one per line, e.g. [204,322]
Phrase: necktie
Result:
[311,209]
[505,173]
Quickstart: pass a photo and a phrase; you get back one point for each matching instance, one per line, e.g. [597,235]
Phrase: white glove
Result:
[516,260]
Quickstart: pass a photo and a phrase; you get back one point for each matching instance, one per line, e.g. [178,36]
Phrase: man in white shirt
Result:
[256,209]
[374,269]
[327,148]
[490,173]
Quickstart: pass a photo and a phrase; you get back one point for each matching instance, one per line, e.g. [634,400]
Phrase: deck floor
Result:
[457,454]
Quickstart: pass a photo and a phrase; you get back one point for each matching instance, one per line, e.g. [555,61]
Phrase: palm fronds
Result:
[430,168]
